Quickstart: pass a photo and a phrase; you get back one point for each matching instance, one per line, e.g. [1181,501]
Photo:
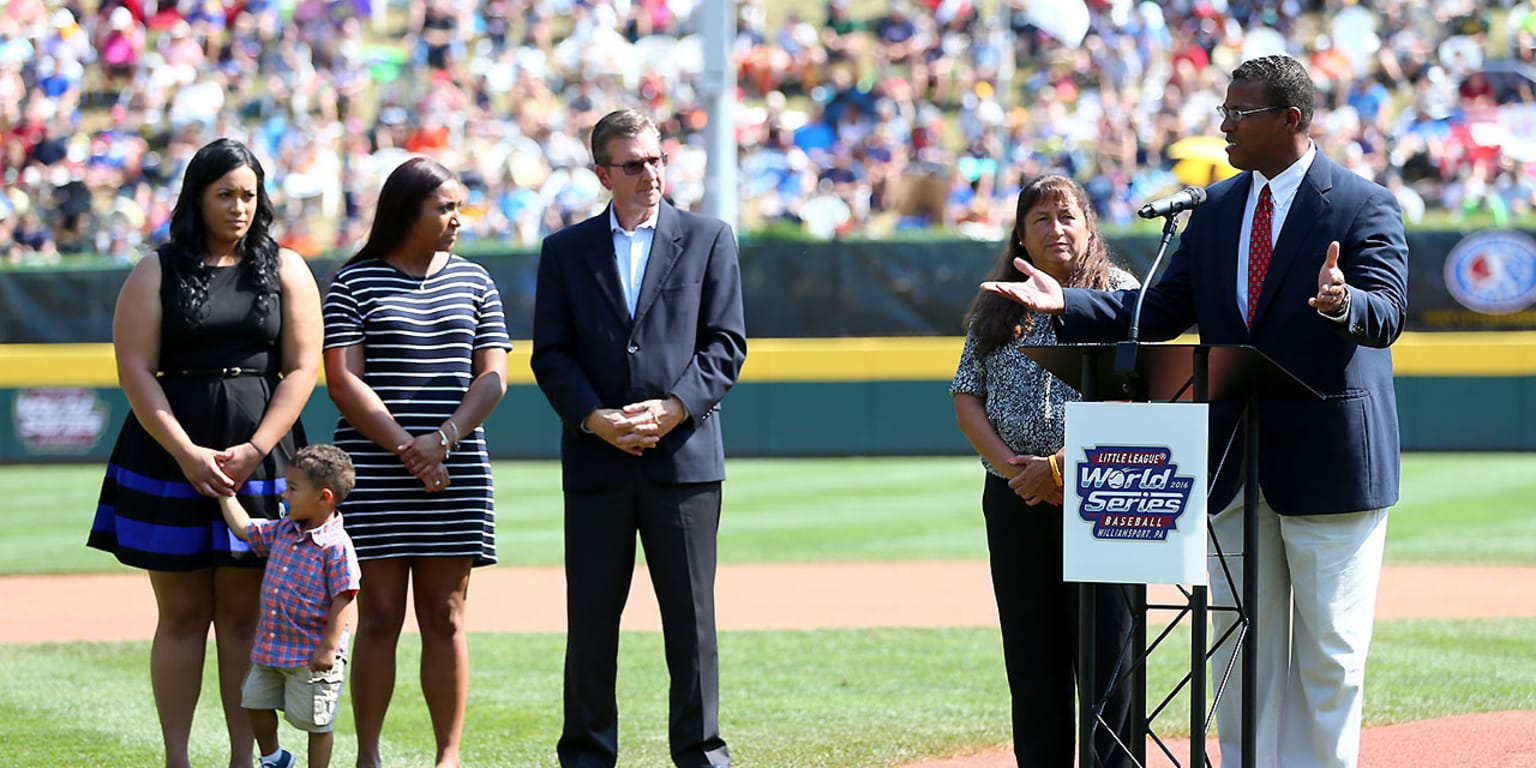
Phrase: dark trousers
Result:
[1038,613]
[677,526]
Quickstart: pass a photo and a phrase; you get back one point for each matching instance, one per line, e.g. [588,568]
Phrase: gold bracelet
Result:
[1055,470]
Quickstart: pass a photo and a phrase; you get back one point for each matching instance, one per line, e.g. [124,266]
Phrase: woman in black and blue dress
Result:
[1013,413]
[217,339]
[415,359]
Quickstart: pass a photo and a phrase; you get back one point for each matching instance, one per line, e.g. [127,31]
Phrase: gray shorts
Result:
[307,698]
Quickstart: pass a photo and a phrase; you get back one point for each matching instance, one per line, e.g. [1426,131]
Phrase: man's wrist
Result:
[1343,312]
[682,410]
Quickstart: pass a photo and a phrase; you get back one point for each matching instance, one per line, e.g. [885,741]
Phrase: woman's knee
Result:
[185,620]
[444,617]
[184,607]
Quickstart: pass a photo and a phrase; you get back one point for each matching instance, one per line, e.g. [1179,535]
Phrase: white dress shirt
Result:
[1282,191]
[632,251]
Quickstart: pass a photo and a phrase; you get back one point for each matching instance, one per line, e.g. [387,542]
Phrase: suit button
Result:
[634,348]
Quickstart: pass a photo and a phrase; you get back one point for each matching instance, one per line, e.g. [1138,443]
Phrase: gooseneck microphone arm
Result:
[1125,351]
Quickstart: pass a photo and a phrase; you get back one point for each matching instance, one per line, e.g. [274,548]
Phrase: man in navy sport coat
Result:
[637,336]
[1307,262]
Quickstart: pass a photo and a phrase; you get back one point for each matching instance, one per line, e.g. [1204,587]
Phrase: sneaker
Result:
[283,760]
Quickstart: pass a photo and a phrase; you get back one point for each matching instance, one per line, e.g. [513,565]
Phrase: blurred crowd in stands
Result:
[855,118]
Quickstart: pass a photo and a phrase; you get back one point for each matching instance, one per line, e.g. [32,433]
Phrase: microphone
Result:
[1183,200]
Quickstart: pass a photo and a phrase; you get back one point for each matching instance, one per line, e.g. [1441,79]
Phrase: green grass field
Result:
[1455,508]
[789,699]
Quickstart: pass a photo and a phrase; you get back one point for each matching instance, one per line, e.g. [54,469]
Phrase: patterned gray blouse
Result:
[1025,404]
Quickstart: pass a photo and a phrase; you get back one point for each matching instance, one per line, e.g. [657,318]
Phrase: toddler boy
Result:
[306,604]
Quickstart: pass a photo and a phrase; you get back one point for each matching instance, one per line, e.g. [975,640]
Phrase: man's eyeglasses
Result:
[1237,115]
[637,167]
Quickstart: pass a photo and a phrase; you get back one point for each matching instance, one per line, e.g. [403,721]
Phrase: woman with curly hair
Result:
[1013,413]
[218,343]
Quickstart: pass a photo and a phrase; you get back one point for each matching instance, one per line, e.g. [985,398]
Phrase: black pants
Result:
[677,526]
[1038,613]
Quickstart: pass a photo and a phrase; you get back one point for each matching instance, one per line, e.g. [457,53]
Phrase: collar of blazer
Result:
[602,262]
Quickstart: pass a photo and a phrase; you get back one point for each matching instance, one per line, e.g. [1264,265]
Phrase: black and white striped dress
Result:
[419,336]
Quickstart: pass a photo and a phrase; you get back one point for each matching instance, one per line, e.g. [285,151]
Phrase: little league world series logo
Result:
[1131,492]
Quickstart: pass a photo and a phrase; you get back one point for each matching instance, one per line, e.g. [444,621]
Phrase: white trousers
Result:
[1318,576]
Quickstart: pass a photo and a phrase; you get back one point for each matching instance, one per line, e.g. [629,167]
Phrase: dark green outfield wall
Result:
[810,419]
[797,289]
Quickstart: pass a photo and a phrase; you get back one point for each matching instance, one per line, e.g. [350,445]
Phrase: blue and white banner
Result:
[1134,496]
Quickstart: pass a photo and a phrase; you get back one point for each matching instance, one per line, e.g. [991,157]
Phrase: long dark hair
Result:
[185,250]
[996,320]
[400,205]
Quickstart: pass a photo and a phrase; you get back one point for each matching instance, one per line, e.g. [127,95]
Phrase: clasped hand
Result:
[219,473]
[637,426]
[1033,480]
[425,457]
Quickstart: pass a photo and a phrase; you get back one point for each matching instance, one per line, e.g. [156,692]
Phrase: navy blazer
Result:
[687,338]
[1337,455]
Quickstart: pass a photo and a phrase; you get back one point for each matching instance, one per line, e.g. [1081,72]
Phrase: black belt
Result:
[220,373]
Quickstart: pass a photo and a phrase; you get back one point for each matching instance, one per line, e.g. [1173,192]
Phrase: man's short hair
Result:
[623,122]
[328,466]
[1286,83]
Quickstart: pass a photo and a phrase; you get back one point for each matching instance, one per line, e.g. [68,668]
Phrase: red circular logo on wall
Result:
[59,419]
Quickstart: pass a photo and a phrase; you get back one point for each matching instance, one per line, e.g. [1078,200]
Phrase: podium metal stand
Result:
[1197,373]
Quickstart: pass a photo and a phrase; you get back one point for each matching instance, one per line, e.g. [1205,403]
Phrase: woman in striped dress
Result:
[415,360]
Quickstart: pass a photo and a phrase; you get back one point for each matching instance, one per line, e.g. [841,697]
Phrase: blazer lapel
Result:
[665,248]
[597,252]
[1229,222]
[1295,244]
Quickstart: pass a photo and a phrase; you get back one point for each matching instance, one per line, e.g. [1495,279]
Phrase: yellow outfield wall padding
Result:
[916,358]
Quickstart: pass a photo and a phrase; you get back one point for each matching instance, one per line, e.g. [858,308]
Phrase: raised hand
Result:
[1039,292]
[1332,293]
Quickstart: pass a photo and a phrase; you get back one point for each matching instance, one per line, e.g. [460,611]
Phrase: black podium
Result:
[1195,373]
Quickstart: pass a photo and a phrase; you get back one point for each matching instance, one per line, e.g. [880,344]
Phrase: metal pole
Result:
[1198,604]
[718,87]
[1137,658]
[1087,625]
[1250,636]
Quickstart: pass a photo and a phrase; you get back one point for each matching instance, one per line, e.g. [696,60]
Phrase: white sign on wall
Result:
[1134,501]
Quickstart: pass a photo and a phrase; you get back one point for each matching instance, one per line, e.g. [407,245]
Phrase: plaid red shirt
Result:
[305,571]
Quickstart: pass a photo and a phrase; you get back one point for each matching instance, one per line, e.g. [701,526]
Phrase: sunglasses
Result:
[637,167]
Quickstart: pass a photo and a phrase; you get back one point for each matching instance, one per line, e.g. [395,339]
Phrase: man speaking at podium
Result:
[1307,262]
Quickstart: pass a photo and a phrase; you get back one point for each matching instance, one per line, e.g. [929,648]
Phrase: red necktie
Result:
[1259,248]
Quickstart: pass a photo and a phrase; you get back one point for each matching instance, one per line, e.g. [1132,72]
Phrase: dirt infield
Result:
[1469,741]
[1492,740]
[120,607]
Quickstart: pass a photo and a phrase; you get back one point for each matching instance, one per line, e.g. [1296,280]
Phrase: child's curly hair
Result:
[328,466]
